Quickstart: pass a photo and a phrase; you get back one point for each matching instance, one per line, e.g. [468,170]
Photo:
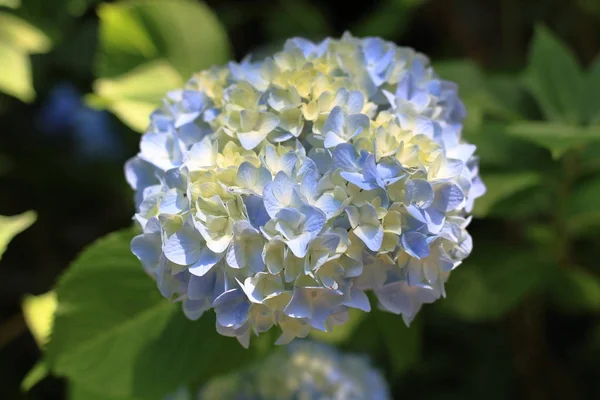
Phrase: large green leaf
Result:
[493,281]
[12,226]
[185,33]
[555,78]
[114,333]
[134,95]
[501,186]
[556,137]
[77,391]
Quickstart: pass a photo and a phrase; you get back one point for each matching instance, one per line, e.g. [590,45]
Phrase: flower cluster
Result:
[278,192]
[303,370]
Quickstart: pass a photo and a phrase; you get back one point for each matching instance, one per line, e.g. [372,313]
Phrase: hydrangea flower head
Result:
[277,192]
[303,370]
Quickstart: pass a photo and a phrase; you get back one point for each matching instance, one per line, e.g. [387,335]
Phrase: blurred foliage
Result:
[521,318]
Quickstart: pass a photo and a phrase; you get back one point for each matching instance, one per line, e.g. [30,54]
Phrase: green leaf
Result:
[133,96]
[187,34]
[389,19]
[35,375]
[497,149]
[341,333]
[501,186]
[555,78]
[493,281]
[114,333]
[512,100]
[79,7]
[12,226]
[592,102]
[584,210]
[556,137]
[10,3]
[77,391]
[576,290]
[297,17]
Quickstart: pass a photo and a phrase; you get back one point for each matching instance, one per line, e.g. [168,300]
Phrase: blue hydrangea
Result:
[302,370]
[278,192]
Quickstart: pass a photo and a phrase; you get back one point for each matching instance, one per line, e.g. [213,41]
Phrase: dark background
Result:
[73,178]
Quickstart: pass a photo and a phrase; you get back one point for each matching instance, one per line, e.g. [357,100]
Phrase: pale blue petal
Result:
[335,121]
[173,202]
[372,236]
[232,308]
[299,306]
[419,192]
[356,298]
[183,247]
[202,287]
[415,244]
[207,260]
[256,211]
[448,197]
[146,248]
[322,159]
[194,309]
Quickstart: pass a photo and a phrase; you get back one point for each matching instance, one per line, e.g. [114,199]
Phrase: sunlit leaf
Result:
[12,226]
[10,3]
[19,39]
[22,35]
[39,312]
[133,96]
[15,78]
